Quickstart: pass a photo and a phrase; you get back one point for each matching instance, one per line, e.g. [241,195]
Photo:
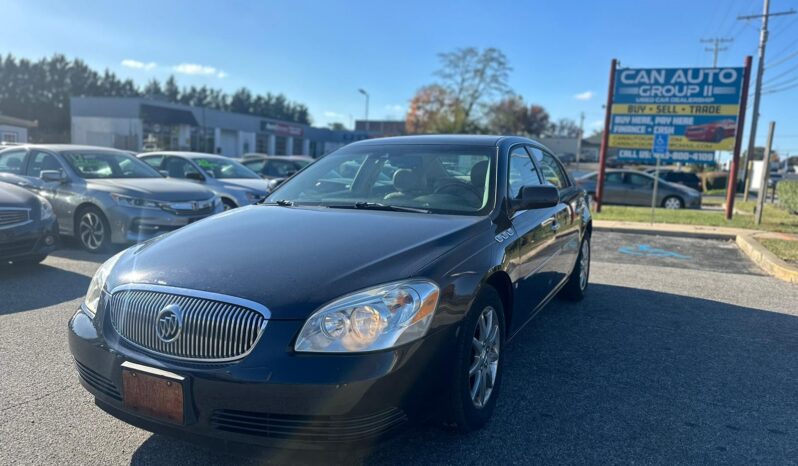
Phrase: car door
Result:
[58,193]
[614,189]
[534,237]
[566,215]
[639,188]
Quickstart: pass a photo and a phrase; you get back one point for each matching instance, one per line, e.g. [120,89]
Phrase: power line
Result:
[716,47]
[780,75]
[783,60]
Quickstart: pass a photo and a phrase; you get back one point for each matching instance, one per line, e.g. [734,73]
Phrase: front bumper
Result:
[34,239]
[275,397]
[131,225]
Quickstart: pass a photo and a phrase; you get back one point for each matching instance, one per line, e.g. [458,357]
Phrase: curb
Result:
[745,240]
[766,260]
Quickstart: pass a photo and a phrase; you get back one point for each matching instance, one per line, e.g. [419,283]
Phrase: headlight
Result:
[128,201]
[374,319]
[46,209]
[97,285]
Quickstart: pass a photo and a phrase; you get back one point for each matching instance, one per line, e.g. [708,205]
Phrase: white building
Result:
[15,129]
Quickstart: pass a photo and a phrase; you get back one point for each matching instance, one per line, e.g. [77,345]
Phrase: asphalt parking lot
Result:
[683,352]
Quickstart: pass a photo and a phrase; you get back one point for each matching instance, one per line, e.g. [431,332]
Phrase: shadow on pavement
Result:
[626,376]
[28,287]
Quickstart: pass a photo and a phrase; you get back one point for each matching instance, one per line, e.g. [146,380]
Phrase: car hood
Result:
[250,184]
[158,189]
[294,259]
[13,196]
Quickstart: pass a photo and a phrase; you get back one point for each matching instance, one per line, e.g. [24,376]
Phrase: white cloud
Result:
[334,115]
[396,109]
[587,95]
[138,65]
[198,70]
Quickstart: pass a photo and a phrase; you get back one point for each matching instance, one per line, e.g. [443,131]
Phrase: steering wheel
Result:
[455,187]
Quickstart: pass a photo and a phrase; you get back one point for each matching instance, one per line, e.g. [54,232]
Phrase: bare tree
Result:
[565,127]
[472,76]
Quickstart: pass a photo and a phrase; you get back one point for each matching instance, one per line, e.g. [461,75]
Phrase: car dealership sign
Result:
[696,107]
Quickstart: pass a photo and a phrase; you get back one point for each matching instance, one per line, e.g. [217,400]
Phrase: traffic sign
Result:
[660,146]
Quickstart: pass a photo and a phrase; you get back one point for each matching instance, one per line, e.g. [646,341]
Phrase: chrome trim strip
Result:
[16,209]
[263,310]
[216,310]
[152,370]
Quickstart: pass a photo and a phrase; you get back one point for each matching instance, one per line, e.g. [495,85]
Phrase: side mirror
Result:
[195,176]
[52,176]
[536,197]
[164,173]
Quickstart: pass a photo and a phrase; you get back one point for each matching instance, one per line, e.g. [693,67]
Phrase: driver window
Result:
[180,168]
[522,172]
[42,161]
[551,168]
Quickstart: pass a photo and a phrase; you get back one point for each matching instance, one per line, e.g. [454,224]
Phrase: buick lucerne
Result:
[376,288]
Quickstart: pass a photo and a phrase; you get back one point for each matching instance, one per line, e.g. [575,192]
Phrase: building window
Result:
[10,137]
[280,145]
[262,143]
[202,140]
[298,143]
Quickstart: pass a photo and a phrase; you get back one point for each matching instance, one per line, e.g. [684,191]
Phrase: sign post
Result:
[763,182]
[731,184]
[659,148]
[605,137]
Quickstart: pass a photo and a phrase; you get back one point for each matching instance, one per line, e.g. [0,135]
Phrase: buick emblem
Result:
[169,323]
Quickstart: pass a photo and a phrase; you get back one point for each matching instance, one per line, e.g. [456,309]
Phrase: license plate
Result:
[152,395]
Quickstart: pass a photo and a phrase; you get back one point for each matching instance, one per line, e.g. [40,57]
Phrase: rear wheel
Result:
[93,230]
[477,373]
[575,288]
[672,202]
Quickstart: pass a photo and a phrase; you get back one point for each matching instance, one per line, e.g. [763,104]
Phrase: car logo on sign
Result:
[169,323]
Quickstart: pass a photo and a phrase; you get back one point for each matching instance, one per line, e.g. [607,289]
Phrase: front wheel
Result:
[575,288]
[93,230]
[478,366]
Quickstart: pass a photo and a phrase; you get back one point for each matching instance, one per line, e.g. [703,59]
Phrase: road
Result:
[683,352]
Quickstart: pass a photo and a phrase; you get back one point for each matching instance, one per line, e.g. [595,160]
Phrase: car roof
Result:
[458,139]
[187,154]
[68,147]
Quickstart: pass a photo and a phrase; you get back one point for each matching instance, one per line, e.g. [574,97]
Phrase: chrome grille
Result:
[215,328]
[12,217]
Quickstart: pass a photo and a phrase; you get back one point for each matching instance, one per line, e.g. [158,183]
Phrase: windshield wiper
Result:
[379,206]
[280,202]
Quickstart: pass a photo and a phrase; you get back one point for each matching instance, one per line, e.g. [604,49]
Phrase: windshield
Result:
[436,178]
[223,169]
[108,165]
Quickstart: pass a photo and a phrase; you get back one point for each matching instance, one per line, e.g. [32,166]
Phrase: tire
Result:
[576,287]
[92,230]
[466,412]
[228,204]
[673,202]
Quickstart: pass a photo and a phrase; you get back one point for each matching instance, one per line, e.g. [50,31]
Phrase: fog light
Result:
[49,240]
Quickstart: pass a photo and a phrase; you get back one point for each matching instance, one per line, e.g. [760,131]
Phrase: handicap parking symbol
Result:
[660,145]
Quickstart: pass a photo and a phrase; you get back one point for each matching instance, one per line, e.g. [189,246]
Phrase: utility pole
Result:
[760,69]
[763,180]
[716,48]
[367,107]
[579,139]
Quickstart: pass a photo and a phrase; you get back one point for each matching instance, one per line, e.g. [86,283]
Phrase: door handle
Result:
[555,225]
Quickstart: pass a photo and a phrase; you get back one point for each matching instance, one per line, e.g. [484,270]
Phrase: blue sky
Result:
[321,52]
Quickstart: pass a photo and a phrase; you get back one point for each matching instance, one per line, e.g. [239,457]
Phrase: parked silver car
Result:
[103,196]
[234,183]
[632,187]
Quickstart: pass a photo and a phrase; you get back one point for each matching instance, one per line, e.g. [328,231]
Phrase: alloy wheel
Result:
[485,348]
[673,203]
[92,231]
[584,265]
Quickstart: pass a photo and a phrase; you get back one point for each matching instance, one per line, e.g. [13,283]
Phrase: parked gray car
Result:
[632,187]
[103,196]
[235,184]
